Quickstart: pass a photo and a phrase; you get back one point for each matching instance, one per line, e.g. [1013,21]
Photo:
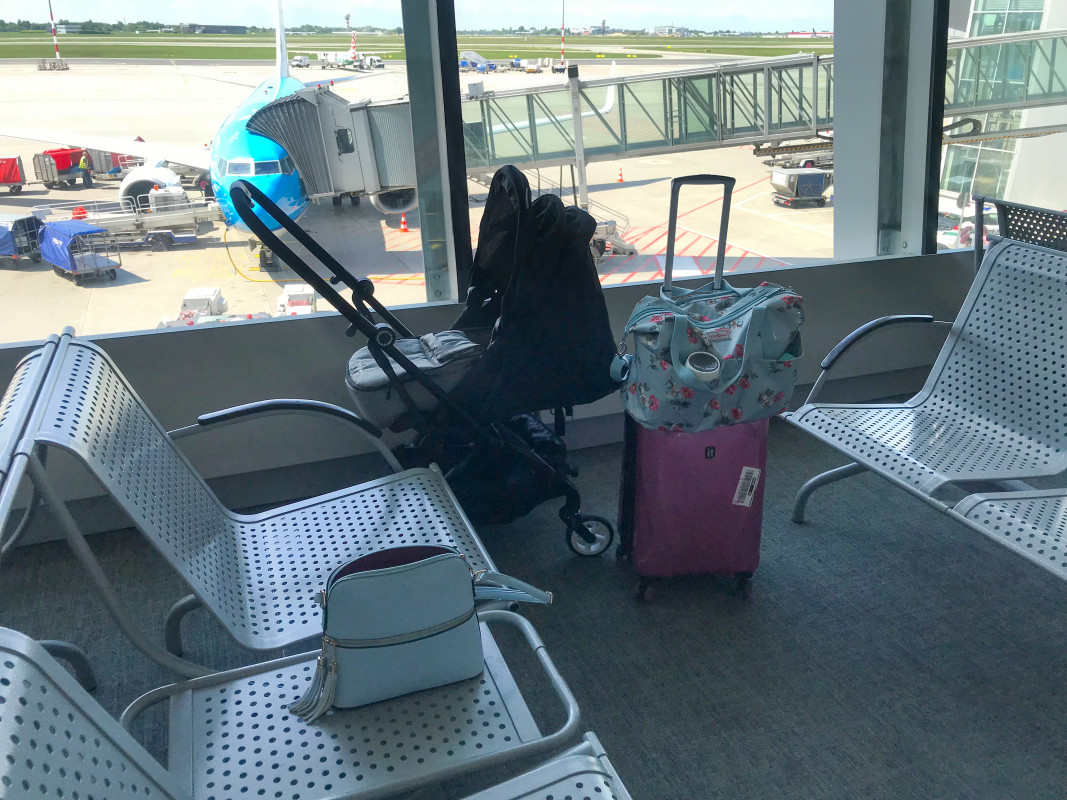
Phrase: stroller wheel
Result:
[589,536]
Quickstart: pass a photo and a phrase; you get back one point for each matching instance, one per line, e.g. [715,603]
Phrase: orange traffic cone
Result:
[403,222]
[620,176]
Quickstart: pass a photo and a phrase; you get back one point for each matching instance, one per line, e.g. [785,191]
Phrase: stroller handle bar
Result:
[381,337]
[243,194]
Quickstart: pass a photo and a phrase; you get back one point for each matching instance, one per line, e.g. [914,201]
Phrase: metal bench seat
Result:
[1032,523]
[991,412]
[582,773]
[230,735]
[258,574]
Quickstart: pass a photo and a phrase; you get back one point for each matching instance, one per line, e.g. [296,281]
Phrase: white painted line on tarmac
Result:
[781,219]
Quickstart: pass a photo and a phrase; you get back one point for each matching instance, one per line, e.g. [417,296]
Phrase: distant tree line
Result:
[89,26]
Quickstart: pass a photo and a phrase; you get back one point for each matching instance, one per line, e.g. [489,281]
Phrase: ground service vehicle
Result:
[300,62]
[296,300]
[18,237]
[161,219]
[794,187]
[12,175]
[57,167]
[78,250]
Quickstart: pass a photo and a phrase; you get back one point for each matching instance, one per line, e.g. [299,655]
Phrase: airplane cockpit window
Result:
[288,167]
[239,168]
[346,142]
[268,168]
[221,166]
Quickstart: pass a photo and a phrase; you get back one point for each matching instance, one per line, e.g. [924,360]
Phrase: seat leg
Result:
[74,656]
[801,501]
[172,628]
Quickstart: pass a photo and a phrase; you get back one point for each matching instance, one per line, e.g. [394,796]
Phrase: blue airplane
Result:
[235,152]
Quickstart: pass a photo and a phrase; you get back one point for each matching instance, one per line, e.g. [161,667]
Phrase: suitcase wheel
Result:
[744,584]
[589,536]
[644,593]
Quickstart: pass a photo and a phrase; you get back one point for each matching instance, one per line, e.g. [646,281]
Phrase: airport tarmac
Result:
[185,104]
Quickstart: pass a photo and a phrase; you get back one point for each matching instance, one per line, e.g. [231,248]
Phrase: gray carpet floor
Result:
[885,652]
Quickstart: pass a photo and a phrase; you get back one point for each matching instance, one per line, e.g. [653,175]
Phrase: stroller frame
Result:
[587,535]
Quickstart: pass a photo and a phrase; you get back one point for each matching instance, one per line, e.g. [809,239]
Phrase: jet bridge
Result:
[340,147]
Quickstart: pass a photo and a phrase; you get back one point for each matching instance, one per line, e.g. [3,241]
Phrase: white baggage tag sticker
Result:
[746,487]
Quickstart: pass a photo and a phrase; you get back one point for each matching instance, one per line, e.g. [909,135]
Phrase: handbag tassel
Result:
[320,694]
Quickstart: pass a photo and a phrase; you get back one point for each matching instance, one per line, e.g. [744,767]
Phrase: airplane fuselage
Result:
[239,154]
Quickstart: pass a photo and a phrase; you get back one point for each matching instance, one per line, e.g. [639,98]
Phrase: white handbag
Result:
[401,620]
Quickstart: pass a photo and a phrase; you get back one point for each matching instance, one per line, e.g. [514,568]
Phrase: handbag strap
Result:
[490,585]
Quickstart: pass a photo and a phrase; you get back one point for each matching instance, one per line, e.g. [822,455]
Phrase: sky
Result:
[755,15]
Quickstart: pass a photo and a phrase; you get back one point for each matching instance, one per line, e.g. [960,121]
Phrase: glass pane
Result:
[268,167]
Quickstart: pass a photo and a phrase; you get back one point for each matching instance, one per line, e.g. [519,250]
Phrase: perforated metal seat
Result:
[231,736]
[582,773]
[258,574]
[1032,523]
[992,408]
[57,742]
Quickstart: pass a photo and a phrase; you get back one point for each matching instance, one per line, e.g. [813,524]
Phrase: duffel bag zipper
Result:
[736,310]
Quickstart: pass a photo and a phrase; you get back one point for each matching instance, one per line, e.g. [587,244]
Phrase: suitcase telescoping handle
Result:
[672,224]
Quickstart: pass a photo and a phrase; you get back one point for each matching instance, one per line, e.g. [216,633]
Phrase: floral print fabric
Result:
[755,335]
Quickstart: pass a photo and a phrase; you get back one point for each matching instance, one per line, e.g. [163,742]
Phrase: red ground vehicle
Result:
[12,175]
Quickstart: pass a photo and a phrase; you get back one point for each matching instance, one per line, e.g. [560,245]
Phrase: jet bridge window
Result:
[268,168]
[346,142]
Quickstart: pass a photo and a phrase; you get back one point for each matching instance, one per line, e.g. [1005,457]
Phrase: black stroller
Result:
[534,335]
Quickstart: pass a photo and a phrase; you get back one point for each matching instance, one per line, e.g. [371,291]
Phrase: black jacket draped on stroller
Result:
[534,335]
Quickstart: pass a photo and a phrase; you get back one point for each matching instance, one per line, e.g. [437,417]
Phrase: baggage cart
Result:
[793,187]
[12,174]
[78,250]
[108,165]
[18,237]
[58,167]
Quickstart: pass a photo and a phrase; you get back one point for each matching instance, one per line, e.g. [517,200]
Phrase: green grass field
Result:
[38,44]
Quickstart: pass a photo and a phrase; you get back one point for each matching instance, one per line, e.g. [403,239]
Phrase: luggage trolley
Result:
[12,174]
[79,250]
[794,187]
[18,237]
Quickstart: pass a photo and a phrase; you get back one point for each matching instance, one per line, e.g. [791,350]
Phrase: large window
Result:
[1003,159]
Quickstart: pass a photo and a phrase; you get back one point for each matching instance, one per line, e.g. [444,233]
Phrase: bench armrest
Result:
[869,327]
[861,332]
[229,416]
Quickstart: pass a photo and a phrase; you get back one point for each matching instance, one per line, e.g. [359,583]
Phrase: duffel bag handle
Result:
[672,224]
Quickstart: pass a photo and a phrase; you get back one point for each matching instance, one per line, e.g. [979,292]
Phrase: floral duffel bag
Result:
[704,358]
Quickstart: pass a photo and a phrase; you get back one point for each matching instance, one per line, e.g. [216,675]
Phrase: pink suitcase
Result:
[692,503]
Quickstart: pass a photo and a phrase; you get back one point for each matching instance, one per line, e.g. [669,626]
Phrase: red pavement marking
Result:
[643,263]
[718,199]
[620,266]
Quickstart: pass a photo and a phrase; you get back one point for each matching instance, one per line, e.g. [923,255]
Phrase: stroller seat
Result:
[446,357]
